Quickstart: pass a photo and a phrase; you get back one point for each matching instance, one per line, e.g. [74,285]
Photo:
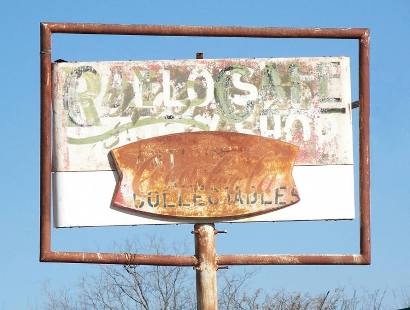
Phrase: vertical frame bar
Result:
[45,141]
[364,144]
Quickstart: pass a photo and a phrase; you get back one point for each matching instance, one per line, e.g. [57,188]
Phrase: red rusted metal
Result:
[46,253]
[320,259]
[206,284]
[119,258]
[364,144]
[206,31]
[45,141]
[223,175]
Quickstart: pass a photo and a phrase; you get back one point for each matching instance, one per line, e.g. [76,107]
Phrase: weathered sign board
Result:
[157,142]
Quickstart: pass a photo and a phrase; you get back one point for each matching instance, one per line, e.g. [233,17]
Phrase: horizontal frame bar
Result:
[46,253]
[119,258]
[205,31]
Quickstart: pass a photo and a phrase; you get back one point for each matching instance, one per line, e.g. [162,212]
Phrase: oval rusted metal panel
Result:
[205,175]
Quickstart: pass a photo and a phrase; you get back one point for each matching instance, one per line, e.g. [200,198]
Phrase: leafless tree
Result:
[235,295]
[129,287]
[173,288]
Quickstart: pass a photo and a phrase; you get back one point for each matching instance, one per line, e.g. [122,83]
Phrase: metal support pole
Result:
[206,292]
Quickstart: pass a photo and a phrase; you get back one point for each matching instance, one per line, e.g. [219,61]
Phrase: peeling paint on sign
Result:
[103,105]
[205,175]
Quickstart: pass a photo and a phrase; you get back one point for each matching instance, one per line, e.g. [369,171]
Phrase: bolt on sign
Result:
[189,141]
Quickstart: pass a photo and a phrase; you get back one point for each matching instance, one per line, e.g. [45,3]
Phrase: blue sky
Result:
[22,277]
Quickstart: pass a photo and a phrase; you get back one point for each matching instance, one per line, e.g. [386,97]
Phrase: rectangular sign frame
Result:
[46,252]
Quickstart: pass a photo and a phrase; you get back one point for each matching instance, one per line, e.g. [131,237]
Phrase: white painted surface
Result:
[84,199]
[298,106]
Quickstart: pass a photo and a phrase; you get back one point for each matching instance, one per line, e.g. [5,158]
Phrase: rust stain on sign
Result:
[205,175]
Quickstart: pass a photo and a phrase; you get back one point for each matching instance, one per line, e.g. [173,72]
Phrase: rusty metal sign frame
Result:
[46,252]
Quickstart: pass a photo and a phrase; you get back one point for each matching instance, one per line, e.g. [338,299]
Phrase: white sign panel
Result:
[101,106]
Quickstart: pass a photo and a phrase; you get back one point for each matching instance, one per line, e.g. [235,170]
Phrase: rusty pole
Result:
[206,292]
[205,252]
